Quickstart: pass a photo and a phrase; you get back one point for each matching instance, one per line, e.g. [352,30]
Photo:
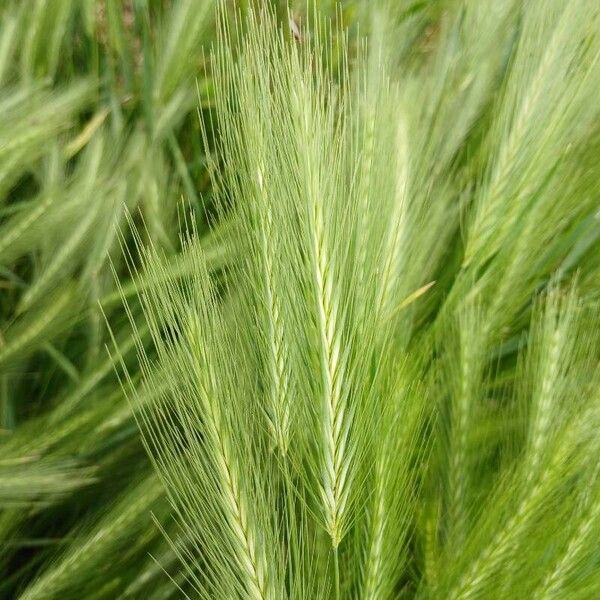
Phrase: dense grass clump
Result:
[98,118]
[362,355]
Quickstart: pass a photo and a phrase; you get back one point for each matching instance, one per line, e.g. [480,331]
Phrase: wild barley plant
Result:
[356,406]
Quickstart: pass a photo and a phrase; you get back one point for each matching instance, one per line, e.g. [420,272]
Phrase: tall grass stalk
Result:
[425,438]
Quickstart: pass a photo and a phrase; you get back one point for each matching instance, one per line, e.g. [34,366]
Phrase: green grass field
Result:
[300,301]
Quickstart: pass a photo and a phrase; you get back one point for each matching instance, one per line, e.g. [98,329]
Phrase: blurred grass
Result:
[98,116]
